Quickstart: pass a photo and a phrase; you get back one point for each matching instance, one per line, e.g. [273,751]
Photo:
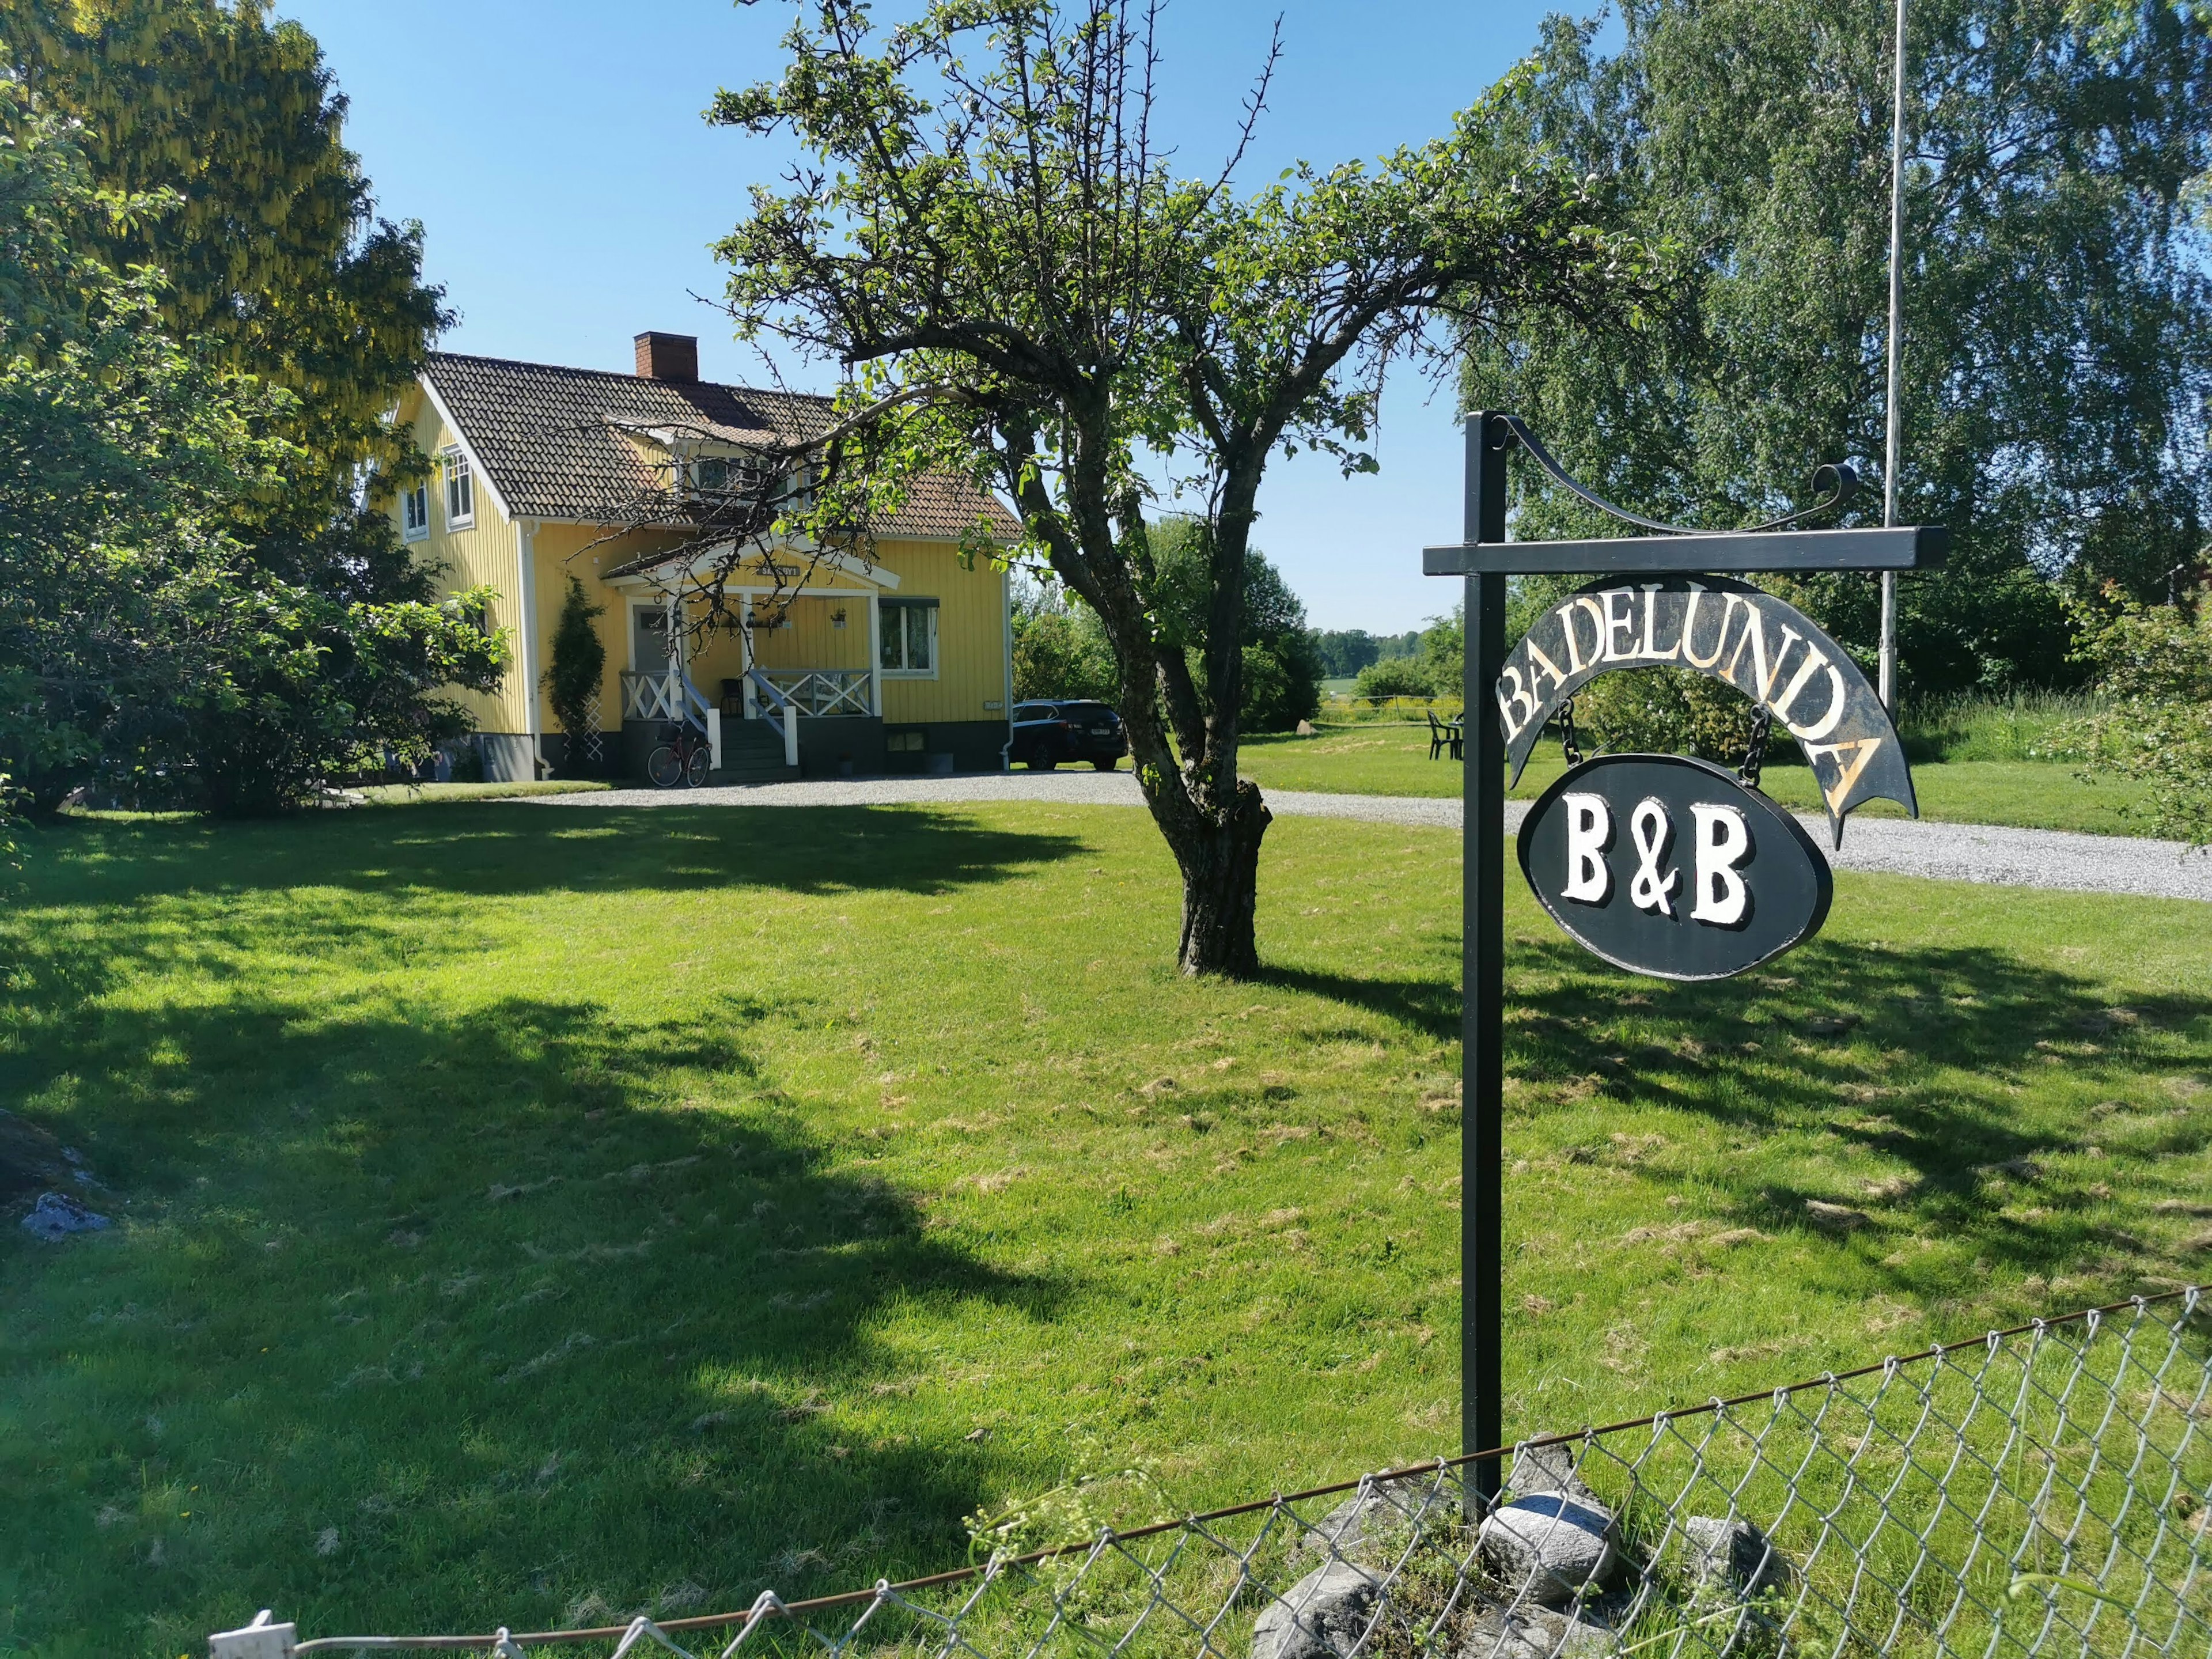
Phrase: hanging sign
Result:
[1667,867]
[1763,647]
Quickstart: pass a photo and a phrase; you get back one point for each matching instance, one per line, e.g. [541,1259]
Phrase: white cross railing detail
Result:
[820,692]
[651,696]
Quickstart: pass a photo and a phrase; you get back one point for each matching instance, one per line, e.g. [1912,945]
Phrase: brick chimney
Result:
[667,357]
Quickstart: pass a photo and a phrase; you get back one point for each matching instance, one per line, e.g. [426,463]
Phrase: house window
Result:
[460,492]
[744,475]
[414,513]
[910,644]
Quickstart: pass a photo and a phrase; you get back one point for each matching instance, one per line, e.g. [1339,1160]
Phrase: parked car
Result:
[1046,733]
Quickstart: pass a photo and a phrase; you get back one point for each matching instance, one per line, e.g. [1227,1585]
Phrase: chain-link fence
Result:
[2046,1490]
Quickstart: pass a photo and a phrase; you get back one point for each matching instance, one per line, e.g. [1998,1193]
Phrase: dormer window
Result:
[724,477]
[414,513]
[460,491]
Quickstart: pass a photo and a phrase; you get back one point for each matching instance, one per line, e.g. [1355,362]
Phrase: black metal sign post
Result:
[1485,559]
[1482,973]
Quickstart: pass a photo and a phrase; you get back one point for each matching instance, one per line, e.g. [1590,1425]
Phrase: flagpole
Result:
[1889,464]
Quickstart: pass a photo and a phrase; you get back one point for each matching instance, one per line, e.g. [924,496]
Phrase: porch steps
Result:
[751,753]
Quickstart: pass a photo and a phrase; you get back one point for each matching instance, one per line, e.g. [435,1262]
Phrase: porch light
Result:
[837,617]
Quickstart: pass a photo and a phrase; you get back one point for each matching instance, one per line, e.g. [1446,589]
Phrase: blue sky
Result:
[568,190]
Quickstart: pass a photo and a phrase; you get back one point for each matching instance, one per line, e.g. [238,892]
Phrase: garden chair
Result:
[1438,735]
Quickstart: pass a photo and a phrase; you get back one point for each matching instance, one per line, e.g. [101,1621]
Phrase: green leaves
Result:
[2057,329]
[2153,664]
[147,650]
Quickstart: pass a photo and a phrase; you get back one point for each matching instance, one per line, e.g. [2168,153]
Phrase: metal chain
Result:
[1755,754]
[1567,733]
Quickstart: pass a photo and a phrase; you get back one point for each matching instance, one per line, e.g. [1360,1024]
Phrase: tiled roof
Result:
[554,440]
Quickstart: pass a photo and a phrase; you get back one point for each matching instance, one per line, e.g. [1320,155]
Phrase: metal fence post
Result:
[1482,1259]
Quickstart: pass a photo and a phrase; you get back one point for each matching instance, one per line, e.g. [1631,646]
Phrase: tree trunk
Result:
[1220,864]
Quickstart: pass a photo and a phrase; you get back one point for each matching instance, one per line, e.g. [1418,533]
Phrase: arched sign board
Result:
[1763,647]
[1667,867]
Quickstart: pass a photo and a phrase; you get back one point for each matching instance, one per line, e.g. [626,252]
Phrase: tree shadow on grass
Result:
[419,1323]
[295,888]
[524,847]
[1920,1055]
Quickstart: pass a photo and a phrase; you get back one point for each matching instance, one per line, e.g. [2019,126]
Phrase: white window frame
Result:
[455,473]
[415,511]
[892,615]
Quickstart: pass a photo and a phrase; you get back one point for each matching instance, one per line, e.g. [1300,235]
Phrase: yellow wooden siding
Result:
[971,639]
[566,550]
[481,556]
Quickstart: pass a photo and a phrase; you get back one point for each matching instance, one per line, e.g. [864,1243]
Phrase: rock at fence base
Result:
[1549,1468]
[1322,1616]
[1344,1528]
[1526,1632]
[1358,1526]
[57,1215]
[1732,1556]
[1306,729]
[1548,1545]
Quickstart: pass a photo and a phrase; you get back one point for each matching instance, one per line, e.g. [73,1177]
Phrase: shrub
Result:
[572,680]
[2154,662]
[1396,677]
[1665,711]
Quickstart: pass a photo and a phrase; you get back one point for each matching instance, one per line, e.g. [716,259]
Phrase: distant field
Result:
[1388,760]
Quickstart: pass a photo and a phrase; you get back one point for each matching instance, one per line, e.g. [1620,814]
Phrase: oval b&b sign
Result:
[1668,867]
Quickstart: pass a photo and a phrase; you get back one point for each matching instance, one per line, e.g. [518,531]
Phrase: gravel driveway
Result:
[1951,852]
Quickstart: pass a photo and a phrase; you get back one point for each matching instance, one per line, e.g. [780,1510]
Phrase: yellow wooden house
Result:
[896,658]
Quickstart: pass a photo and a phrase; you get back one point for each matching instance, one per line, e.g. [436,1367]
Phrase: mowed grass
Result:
[1393,760]
[532,1213]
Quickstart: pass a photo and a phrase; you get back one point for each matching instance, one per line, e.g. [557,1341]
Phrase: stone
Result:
[1527,1632]
[1549,1545]
[1549,1468]
[57,1215]
[1306,729]
[1344,1529]
[1732,1555]
[1323,1616]
[1356,1526]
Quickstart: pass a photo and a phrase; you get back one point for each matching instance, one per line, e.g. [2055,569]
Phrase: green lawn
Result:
[1393,760]
[533,1212]
[410,794]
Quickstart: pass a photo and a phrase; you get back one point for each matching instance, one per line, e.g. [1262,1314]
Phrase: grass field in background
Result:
[1393,760]
[532,1214]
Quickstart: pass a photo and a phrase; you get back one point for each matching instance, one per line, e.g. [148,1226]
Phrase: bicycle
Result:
[682,761]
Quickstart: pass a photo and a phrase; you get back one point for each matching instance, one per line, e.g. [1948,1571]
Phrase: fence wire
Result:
[2045,1491]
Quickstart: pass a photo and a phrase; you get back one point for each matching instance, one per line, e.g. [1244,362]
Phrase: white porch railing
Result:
[651,696]
[668,695]
[778,710]
[815,692]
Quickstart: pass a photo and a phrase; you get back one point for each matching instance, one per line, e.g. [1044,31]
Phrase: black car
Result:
[1046,733]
